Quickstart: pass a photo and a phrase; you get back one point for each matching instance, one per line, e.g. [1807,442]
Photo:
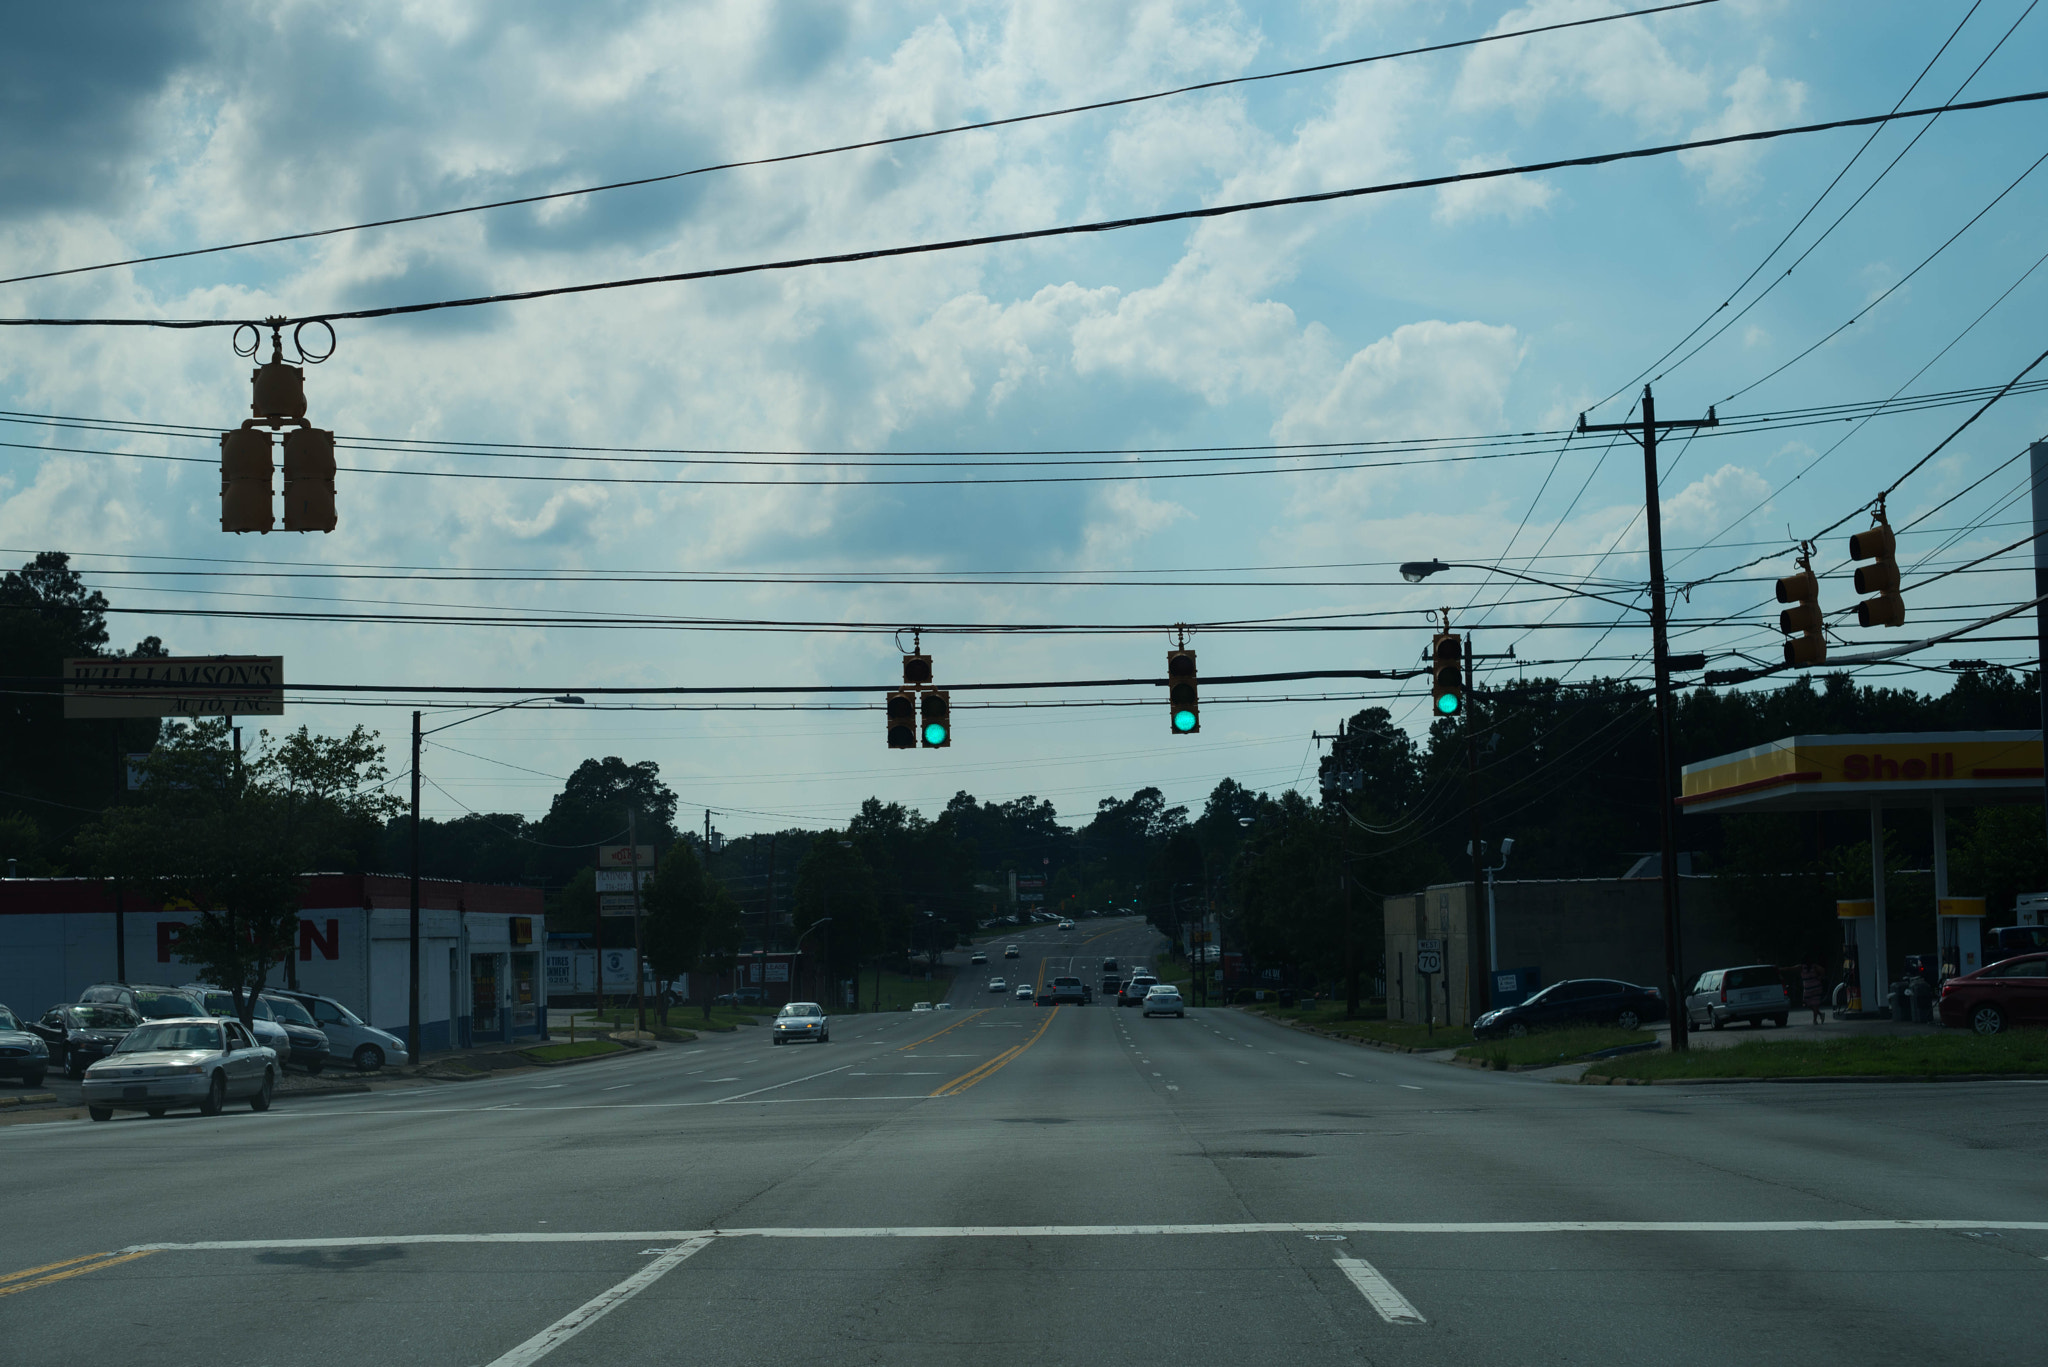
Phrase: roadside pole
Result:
[412,1011]
[2038,452]
[1481,938]
[639,963]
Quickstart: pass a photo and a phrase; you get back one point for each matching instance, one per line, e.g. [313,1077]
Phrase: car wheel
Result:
[100,1112]
[369,1059]
[156,1113]
[261,1101]
[216,1096]
[1629,1020]
[1783,1019]
[1987,1019]
[1517,1030]
[32,1080]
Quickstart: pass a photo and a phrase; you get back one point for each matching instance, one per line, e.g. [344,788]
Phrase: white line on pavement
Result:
[596,1308]
[672,1236]
[1392,1305]
[1411,1086]
[777,1086]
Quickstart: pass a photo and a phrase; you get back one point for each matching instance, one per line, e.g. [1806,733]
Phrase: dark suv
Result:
[81,1034]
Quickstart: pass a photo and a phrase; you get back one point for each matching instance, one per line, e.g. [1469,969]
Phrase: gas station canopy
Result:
[1895,769]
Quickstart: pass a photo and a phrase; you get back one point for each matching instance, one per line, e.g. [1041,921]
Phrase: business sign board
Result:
[175,686]
[622,856]
[778,973]
[615,904]
[616,880]
[1030,882]
[1031,897]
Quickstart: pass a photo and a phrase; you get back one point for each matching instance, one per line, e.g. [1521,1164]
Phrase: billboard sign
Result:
[615,904]
[615,880]
[623,856]
[175,686]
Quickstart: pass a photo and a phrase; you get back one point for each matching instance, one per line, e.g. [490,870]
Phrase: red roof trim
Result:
[1755,785]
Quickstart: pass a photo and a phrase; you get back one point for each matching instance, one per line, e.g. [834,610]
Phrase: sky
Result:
[1417,358]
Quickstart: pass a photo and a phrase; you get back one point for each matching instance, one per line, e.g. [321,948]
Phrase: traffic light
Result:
[917,670]
[1886,608]
[1446,674]
[903,720]
[937,731]
[1801,623]
[309,480]
[1184,708]
[245,481]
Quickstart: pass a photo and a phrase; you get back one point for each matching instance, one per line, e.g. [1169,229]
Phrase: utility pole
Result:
[639,963]
[412,1009]
[1480,939]
[1645,435]
[2038,454]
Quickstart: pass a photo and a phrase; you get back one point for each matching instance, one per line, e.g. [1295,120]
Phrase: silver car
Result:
[367,1047]
[185,1061]
[220,1002]
[1164,999]
[802,1020]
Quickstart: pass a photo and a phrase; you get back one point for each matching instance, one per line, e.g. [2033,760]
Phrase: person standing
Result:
[1810,988]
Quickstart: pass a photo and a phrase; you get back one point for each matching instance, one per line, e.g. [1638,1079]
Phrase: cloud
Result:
[1756,100]
[1703,506]
[1427,377]
[1510,197]
[1624,68]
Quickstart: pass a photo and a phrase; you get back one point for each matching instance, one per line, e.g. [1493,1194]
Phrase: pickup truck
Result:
[1069,990]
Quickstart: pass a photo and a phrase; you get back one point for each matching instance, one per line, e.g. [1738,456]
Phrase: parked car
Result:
[146,1000]
[802,1020]
[921,1006]
[309,1043]
[1163,999]
[80,1034]
[1134,990]
[24,1054]
[190,1061]
[998,985]
[1998,996]
[220,1003]
[1755,993]
[1575,1001]
[942,1006]
[746,996]
[1009,951]
[348,1036]
[1069,989]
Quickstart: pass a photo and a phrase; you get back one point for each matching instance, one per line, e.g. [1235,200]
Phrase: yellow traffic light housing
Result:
[1880,578]
[935,731]
[1801,623]
[1183,703]
[1446,674]
[309,480]
[903,720]
[245,471]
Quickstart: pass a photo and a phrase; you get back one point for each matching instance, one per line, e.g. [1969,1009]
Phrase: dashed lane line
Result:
[1393,1307]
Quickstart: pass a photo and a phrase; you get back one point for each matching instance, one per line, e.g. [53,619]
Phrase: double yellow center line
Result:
[974,1075]
[29,1278]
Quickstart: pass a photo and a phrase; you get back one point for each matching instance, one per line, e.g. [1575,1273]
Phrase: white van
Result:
[367,1047]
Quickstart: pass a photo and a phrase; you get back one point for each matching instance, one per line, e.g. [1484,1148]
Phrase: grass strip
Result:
[1545,1047]
[583,1048]
[1329,1018]
[2017,1051]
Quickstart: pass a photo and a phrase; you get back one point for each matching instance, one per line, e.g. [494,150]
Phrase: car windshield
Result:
[156,1004]
[285,1009]
[1761,976]
[802,1009]
[103,1016]
[7,1020]
[181,1035]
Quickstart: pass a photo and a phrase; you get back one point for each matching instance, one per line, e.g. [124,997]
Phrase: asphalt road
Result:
[1009,1182]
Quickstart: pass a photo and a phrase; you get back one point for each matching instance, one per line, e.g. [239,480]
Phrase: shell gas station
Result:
[1931,771]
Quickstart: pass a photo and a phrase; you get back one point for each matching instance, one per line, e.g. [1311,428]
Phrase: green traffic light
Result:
[1447,704]
[1184,720]
[935,733]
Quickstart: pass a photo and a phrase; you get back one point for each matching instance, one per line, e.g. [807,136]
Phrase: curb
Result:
[27,1098]
[1595,1081]
[629,1047]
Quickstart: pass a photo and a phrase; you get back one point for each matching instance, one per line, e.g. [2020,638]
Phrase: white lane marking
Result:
[672,1236]
[546,1086]
[1410,1086]
[779,1085]
[620,1085]
[1170,1087]
[1392,1305]
[721,1079]
[934,1073]
[596,1308]
[1344,1075]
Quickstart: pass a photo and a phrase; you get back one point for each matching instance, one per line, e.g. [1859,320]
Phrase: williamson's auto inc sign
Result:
[175,686]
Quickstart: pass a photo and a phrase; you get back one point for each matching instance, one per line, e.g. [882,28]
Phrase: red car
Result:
[1997,996]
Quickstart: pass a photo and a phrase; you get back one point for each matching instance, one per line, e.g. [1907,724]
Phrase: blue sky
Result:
[1502,307]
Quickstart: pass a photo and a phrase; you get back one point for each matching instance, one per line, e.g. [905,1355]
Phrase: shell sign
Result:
[1809,772]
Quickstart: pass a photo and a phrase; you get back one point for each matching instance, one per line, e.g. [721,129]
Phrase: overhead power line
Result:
[1042,234]
[870,144]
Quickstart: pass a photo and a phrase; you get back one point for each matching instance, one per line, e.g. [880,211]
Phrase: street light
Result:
[1492,925]
[412,1012]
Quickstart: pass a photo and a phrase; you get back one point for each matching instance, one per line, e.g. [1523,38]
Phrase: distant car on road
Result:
[1163,999]
[1575,1001]
[163,1065]
[942,1006]
[921,1006]
[1109,964]
[1066,925]
[24,1054]
[977,957]
[1111,984]
[1998,996]
[800,1021]
[746,996]
[1135,988]
[80,1034]
[998,985]
[1009,951]
[1023,992]
[1754,993]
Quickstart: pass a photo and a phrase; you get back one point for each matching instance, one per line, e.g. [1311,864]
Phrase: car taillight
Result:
[1724,996]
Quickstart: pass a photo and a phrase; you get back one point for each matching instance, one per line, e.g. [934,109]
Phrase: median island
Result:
[2016,1053]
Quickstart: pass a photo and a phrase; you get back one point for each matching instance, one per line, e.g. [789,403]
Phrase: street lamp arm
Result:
[566,698]
[1415,571]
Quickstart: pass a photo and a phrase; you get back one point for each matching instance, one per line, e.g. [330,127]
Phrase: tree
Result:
[836,882]
[232,839]
[692,922]
[591,810]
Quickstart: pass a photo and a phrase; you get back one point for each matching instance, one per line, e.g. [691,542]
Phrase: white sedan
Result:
[1164,1000]
[921,1006]
[198,1061]
[802,1020]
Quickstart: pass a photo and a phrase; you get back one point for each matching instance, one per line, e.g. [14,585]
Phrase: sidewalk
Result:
[1801,1028]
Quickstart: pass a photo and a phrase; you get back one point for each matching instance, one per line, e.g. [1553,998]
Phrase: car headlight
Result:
[37,1046]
